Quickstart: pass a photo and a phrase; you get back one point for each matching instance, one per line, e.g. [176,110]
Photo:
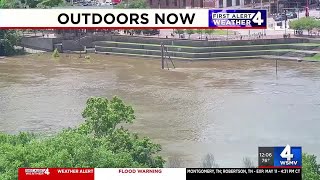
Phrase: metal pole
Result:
[285,22]
[227,34]
[263,30]
[269,9]
[162,57]
[276,67]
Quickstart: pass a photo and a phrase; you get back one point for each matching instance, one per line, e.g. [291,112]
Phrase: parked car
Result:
[280,17]
[291,15]
[151,32]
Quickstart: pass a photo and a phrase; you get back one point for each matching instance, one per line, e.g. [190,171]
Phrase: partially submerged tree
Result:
[209,162]
[248,163]
[175,162]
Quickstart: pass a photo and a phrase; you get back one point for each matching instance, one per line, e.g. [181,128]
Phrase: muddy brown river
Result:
[227,108]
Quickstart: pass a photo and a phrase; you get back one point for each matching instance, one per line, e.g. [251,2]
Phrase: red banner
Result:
[56,173]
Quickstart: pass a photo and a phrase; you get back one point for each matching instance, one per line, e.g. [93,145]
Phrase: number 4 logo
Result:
[257,18]
[286,153]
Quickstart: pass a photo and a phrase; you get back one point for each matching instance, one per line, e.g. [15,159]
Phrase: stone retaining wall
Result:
[40,43]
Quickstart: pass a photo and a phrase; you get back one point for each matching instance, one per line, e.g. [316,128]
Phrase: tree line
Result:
[305,23]
[4,4]
[10,38]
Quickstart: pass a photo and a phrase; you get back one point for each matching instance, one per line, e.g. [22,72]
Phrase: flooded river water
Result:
[227,108]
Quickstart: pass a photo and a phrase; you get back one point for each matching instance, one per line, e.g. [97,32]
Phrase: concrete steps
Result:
[306,46]
[191,55]
[179,58]
[201,53]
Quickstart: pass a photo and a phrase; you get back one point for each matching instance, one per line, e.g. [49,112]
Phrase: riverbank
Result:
[179,49]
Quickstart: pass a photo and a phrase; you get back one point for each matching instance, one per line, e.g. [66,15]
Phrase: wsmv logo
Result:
[37,171]
[288,156]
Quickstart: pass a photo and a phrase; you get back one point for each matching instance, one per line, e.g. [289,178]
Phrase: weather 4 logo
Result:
[288,156]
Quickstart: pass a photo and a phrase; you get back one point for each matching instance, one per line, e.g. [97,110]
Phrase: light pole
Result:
[263,30]
[307,9]
[285,22]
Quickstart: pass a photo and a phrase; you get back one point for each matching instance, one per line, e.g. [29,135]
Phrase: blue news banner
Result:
[238,19]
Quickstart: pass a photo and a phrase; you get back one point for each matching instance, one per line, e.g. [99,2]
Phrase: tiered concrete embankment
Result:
[203,50]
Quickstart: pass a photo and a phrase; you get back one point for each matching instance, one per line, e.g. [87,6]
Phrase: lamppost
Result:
[263,30]
[307,9]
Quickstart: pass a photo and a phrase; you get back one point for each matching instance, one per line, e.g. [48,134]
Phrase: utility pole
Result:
[162,55]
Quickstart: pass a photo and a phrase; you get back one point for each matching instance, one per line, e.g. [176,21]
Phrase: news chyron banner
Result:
[101,173]
[159,174]
[280,162]
[132,19]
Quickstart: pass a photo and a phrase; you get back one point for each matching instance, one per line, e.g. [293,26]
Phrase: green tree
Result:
[310,168]
[211,32]
[98,142]
[8,40]
[189,32]
[134,4]
[31,3]
[179,32]
[4,4]
[200,32]
[208,32]
[51,3]
[305,23]
[103,115]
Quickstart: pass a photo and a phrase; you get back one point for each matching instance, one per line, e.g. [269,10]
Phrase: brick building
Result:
[198,3]
[182,3]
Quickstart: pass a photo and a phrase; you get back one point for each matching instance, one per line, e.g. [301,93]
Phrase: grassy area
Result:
[221,32]
[313,58]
